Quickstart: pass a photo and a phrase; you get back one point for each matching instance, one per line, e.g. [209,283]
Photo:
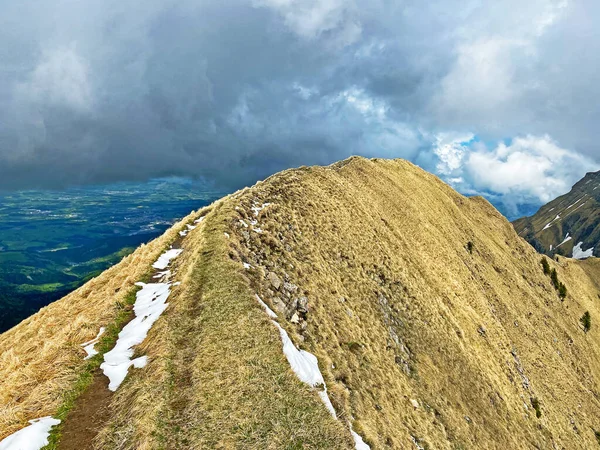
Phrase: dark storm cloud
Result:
[233,91]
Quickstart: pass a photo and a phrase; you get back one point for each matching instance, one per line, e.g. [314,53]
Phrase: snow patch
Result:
[306,367]
[165,274]
[150,303]
[304,364]
[358,442]
[32,437]
[185,232]
[247,266]
[244,224]
[327,402]
[164,259]
[89,345]
[269,311]
[549,224]
[226,235]
[579,253]
[199,220]
[570,206]
[567,239]
[414,440]
[258,209]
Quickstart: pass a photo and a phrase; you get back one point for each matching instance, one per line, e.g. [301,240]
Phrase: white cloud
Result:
[61,78]
[312,18]
[366,105]
[530,168]
[495,72]
[450,148]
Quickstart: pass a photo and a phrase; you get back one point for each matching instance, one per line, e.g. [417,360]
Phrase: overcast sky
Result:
[498,97]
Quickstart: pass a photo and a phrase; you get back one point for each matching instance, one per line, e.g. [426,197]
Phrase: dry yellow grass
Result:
[41,357]
[420,340]
[400,310]
[217,377]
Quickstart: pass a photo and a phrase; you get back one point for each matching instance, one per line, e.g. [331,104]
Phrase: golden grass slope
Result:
[402,314]
[422,342]
[41,357]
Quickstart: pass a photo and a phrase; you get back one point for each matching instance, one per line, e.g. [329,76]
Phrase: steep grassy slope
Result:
[433,323]
[562,224]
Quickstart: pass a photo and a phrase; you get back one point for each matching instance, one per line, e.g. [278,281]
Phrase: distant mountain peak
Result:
[568,225]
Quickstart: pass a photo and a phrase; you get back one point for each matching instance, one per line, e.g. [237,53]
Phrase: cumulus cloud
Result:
[528,170]
[451,148]
[234,91]
[531,165]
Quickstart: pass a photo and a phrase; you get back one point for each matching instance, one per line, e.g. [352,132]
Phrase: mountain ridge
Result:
[568,225]
[432,322]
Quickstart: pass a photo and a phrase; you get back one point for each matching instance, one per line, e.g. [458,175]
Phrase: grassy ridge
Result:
[86,373]
[432,321]
[217,377]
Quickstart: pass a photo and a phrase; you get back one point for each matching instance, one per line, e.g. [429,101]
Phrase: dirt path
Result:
[92,409]
[89,415]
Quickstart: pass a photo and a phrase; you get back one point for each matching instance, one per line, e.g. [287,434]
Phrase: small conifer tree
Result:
[536,406]
[586,321]
[562,291]
[545,266]
[554,278]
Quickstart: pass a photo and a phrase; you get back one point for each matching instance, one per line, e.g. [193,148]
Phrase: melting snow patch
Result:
[185,232]
[89,345]
[164,259]
[328,405]
[416,442]
[32,437]
[549,224]
[244,224]
[570,206]
[358,442]
[258,230]
[269,311]
[247,266]
[306,367]
[199,220]
[150,303]
[567,239]
[258,209]
[579,253]
[304,364]
[166,273]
